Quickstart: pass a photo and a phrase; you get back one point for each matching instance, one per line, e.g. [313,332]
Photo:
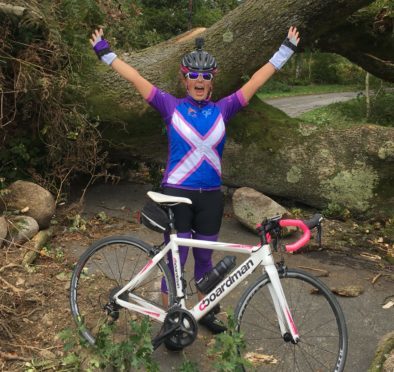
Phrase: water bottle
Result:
[216,275]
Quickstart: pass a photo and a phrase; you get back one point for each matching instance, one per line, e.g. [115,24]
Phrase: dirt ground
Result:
[34,305]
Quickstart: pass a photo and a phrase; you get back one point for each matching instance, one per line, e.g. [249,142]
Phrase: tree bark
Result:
[365,41]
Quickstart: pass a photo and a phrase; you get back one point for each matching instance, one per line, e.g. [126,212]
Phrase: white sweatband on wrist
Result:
[108,58]
[281,56]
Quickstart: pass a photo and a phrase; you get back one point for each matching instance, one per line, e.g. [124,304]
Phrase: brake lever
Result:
[319,234]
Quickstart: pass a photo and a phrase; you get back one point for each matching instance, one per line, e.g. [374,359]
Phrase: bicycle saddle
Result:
[161,198]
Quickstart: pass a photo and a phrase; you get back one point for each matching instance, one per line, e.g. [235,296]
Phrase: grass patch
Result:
[276,89]
[353,112]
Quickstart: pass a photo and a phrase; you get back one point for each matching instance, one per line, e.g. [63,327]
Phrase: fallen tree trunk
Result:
[283,157]
[351,168]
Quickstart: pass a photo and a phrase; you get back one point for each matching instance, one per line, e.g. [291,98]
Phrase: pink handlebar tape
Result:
[303,240]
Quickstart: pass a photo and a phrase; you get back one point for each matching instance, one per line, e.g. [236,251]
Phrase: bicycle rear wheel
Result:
[317,316]
[101,271]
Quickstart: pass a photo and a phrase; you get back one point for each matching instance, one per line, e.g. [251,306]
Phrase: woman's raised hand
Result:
[293,35]
[97,36]
[101,47]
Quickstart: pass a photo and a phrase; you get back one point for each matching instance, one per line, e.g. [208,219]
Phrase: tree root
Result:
[9,356]
[6,329]
[9,285]
[9,266]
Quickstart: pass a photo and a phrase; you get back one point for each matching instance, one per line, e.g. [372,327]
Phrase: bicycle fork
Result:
[287,326]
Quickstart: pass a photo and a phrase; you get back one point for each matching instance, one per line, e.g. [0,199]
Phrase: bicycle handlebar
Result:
[304,225]
[314,221]
[304,238]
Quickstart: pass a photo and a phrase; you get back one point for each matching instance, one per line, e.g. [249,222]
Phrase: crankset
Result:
[179,330]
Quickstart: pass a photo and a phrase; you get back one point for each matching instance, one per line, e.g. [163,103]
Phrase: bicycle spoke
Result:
[320,326]
[314,346]
[315,359]
[109,263]
[321,339]
[124,259]
[306,359]
[117,262]
[257,326]
[110,267]
[102,272]
[264,316]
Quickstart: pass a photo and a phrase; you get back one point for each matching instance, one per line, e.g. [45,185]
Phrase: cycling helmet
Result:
[199,60]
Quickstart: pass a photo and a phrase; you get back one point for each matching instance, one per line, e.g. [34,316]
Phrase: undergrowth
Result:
[136,352]
[47,135]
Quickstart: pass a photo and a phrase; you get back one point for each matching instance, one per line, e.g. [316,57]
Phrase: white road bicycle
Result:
[286,314]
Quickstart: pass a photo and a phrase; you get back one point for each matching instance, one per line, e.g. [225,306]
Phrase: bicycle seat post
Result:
[172,218]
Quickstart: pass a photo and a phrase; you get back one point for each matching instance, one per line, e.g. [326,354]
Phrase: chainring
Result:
[184,329]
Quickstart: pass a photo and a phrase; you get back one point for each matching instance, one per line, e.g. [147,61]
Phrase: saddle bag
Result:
[154,217]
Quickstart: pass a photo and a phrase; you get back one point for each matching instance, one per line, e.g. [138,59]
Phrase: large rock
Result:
[384,355]
[388,365]
[29,196]
[3,230]
[21,229]
[251,207]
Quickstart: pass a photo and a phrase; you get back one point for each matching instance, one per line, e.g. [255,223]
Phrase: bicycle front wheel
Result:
[103,270]
[317,316]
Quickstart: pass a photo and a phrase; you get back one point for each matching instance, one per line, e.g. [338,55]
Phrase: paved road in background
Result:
[295,106]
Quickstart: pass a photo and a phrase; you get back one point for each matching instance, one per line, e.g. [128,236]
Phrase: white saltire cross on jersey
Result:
[202,148]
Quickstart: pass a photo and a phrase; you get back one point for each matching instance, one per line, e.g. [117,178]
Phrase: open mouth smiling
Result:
[199,88]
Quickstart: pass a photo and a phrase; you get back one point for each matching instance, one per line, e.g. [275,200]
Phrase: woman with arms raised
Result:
[196,134]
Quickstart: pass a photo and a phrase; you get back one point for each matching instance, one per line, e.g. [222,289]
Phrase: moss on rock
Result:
[354,188]
[294,174]
[385,347]
[386,150]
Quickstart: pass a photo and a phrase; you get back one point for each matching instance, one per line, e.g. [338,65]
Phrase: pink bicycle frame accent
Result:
[303,240]
[146,266]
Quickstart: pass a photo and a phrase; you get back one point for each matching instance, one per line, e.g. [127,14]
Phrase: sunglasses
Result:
[194,75]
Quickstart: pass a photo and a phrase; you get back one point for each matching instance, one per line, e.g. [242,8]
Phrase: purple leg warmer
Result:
[203,257]
[183,252]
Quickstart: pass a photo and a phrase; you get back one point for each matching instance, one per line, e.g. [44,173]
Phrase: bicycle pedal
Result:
[171,346]
[215,325]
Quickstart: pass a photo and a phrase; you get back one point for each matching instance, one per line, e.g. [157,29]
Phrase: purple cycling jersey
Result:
[196,136]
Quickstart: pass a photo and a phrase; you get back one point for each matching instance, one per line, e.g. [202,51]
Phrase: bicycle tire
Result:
[317,316]
[100,272]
